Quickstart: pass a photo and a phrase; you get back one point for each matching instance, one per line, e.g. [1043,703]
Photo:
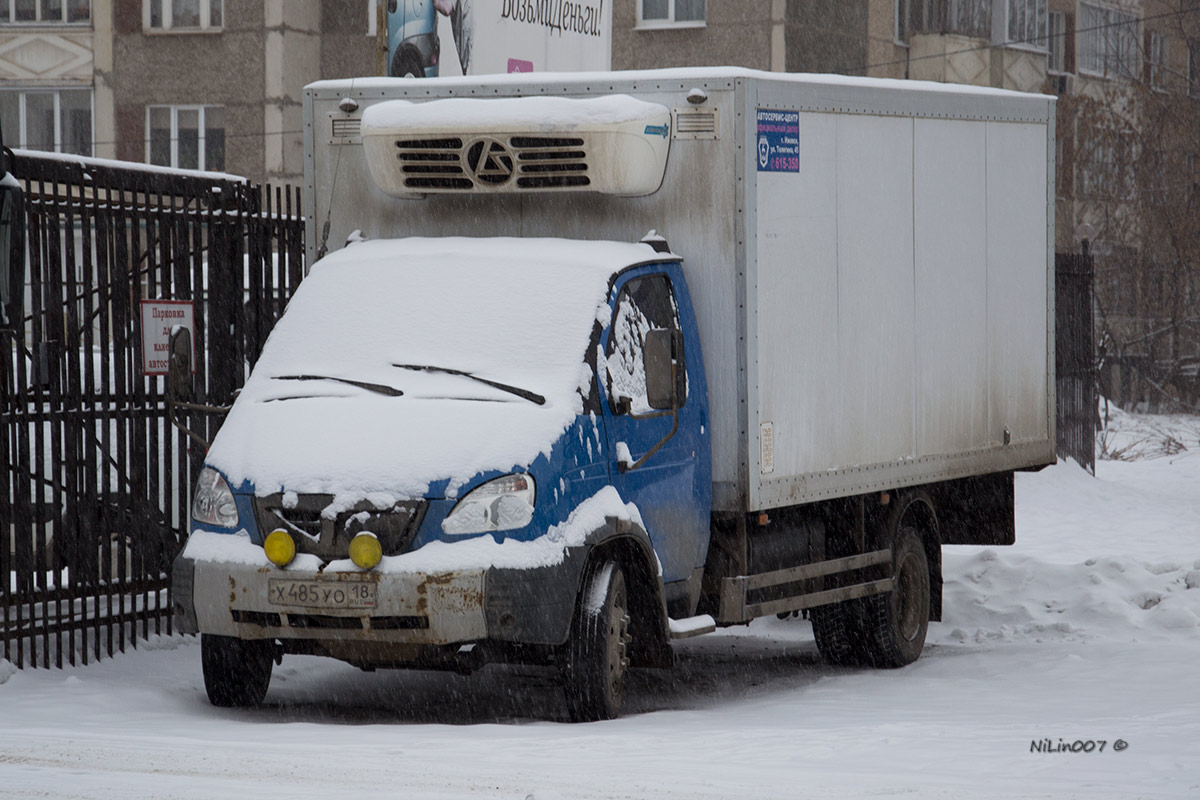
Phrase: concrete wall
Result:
[224,68]
[827,36]
[736,33]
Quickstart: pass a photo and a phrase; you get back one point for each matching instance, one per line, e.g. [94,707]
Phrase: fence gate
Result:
[94,478]
[1075,359]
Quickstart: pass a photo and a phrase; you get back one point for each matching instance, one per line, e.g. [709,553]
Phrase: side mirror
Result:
[179,364]
[666,376]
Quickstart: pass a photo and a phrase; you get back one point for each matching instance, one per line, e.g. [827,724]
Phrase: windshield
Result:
[422,359]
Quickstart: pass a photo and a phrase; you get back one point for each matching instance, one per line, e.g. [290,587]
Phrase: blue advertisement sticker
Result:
[778,141]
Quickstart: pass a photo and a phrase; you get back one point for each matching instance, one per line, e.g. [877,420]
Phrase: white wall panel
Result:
[950,224]
[876,342]
[1017,252]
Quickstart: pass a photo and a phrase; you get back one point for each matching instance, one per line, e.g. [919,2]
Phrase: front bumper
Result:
[410,608]
[235,598]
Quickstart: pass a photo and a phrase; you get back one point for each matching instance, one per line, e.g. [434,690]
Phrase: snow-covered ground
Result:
[1087,631]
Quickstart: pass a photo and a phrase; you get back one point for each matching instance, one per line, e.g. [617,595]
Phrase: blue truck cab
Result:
[486,502]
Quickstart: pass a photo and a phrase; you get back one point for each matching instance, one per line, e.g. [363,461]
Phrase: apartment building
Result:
[217,84]
[199,84]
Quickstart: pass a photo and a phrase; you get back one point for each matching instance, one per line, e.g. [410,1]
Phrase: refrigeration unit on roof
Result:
[612,145]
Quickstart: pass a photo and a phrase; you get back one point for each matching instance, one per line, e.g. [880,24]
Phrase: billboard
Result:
[431,38]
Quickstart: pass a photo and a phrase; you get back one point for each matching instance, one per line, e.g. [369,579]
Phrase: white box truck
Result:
[512,426]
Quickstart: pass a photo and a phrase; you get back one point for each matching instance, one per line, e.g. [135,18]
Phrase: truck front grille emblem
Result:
[490,161]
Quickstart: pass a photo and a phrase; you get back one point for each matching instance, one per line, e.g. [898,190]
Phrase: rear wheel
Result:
[895,624]
[236,672]
[838,632]
[598,652]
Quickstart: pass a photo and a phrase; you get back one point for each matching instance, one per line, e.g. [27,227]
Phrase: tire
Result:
[895,623]
[407,64]
[598,651]
[236,672]
[838,630]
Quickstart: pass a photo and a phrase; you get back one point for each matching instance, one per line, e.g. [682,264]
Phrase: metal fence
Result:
[1075,359]
[94,478]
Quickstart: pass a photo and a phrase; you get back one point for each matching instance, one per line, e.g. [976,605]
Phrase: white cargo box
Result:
[870,261]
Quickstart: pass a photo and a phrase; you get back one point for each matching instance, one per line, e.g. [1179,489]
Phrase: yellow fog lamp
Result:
[365,550]
[280,547]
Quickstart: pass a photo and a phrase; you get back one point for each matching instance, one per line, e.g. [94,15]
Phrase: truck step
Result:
[692,626]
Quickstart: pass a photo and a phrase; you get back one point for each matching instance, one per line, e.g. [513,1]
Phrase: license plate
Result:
[321,594]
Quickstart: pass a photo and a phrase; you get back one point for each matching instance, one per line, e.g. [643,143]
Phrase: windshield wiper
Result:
[524,394]
[377,388]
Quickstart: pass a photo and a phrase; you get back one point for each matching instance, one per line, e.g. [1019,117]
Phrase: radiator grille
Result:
[454,164]
[329,537]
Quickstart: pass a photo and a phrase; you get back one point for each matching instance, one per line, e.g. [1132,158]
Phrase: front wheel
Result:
[236,672]
[598,652]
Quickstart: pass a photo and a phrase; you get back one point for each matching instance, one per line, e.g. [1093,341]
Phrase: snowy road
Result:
[1087,630]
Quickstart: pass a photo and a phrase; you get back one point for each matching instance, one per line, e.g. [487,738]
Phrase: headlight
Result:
[498,505]
[213,504]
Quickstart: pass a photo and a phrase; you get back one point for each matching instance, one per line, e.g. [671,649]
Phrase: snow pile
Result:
[1128,437]
[999,597]
[389,369]
[1114,557]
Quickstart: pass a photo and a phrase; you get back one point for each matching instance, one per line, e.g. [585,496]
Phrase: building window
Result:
[1107,167]
[661,13]
[182,15]
[188,137]
[45,12]
[1027,22]
[971,18]
[53,120]
[1156,60]
[901,17]
[1108,42]
[1056,41]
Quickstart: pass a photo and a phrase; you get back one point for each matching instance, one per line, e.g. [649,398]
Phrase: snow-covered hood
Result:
[490,336]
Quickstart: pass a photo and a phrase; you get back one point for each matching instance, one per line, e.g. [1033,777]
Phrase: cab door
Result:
[660,458]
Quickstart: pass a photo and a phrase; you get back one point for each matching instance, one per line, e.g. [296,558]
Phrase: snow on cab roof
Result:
[383,375]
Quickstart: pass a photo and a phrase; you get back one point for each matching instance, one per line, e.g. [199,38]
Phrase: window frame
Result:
[1105,33]
[21,139]
[1056,43]
[669,21]
[1038,41]
[201,139]
[8,15]
[969,18]
[1158,54]
[626,290]
[166,14]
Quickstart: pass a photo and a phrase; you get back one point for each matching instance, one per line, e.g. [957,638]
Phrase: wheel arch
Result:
[635,555]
